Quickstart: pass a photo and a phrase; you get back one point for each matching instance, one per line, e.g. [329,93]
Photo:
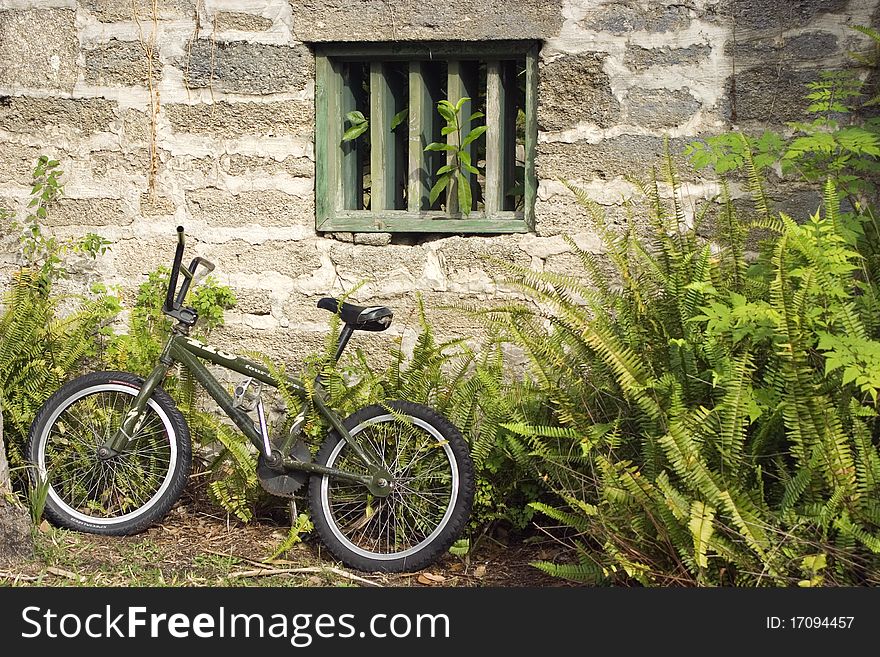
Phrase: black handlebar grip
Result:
[175,270]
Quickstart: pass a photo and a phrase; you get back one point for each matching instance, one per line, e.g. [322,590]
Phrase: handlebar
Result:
[175,270]
[173,305]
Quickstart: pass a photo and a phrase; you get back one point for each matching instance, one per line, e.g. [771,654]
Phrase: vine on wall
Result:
[149,46]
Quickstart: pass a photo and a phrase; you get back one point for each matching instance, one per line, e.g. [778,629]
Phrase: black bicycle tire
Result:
[56,514]
[454,527]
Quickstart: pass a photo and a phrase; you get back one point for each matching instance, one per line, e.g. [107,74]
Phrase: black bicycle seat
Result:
[362,318]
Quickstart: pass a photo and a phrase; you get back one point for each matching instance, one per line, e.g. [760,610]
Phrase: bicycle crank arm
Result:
[380,484]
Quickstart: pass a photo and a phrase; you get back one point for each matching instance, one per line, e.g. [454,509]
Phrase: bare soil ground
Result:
[194,546]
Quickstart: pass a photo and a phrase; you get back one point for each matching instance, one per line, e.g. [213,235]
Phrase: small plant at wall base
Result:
[452,175]
[234,486]
[40,347]
[45,253]
[471,389]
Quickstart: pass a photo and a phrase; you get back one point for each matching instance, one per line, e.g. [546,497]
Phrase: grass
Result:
[68,558]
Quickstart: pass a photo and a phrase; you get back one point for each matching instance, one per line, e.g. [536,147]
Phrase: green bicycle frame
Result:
[189,352]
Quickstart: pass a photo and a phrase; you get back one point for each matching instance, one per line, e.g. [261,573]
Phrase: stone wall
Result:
[233,153]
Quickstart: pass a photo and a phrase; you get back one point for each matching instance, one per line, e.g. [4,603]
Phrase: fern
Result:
[736,451]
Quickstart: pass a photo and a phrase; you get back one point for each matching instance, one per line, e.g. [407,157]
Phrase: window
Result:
[377,113]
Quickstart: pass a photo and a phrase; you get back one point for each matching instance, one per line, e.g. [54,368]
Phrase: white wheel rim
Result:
[453,498]
[115,520]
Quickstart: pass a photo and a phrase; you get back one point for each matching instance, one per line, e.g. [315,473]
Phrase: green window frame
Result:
[396,87]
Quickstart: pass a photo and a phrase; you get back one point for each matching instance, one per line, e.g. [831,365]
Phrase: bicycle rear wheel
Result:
[121,495]
[430,502]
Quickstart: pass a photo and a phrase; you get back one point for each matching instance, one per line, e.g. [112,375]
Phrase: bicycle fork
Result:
[134,418]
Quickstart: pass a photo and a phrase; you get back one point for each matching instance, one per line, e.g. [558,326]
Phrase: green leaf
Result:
[437,146]
[461,102]
[464,193]
[468,167]
[464,157]
[355,131]
[701,528]
[398,118]
[476,115]
[447,113]
[438,187]
[447,129]
[355,117]
[473,134]
[446,168]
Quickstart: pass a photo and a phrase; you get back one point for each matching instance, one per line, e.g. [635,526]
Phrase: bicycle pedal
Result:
[247,394]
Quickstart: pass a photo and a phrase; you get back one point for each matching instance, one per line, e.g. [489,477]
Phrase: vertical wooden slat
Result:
[496,119]
[531,137]
[421,117]
[381,144]
[350,171]
[327,137]
[512,102]
[398,81]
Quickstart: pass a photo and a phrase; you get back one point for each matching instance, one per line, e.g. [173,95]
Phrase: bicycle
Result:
[390,489]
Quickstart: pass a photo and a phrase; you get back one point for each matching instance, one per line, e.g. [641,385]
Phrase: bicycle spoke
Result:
[420,468]
[111,488]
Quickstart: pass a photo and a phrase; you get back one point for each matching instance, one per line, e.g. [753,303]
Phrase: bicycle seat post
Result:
[344,337]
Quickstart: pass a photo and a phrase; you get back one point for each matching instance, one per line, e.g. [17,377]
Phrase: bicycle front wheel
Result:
[431,497]
[126,493]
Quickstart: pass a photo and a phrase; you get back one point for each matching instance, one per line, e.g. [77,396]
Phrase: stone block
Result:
[121,63]
[89,212]
[246,165]
[621,18]
[288,258]
[771,95]
[372,239]
[38,49]
[82,116]
[660,108]
[233,120]
[201,169]
[638,58]
[251,301]
[472,262]
[772,15]
[16,529]
[236,20]
[112,11]
[379,20]
[264,208]
[135,126]
[626,155]
[154,205]
[18,162]
[560,215]
[248,68]
[112,163]
[808,46]
[575,89]
[389,270]
[290,346]
[136,257]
